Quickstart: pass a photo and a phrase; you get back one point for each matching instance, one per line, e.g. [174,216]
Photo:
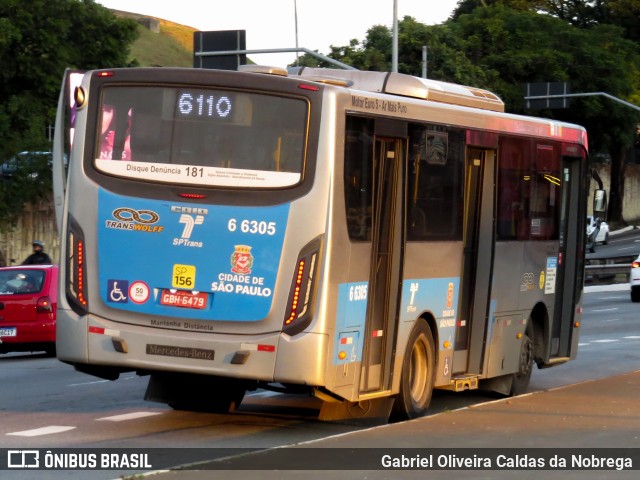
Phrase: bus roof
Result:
[408,86]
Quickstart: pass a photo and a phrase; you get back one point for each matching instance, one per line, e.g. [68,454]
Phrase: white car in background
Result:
[602,236]
[634,280]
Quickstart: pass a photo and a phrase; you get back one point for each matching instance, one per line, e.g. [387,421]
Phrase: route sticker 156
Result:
[184,276]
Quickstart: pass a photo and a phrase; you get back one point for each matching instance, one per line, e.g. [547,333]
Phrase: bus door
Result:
[569,263]
[63,138]
[478,261]
[385,277]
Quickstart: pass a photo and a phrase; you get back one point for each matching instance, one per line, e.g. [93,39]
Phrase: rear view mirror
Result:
[600,203]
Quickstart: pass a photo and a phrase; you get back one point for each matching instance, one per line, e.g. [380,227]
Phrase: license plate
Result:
[8,332]
[183,298]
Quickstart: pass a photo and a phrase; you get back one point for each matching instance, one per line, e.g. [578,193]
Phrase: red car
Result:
[28,304]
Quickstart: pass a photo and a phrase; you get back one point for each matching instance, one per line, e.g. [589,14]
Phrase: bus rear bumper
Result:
[301,359]
[126,347]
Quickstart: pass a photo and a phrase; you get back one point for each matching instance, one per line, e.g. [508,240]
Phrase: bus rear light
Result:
[635,264]
[76,271]
[298,313]
[196,196]
[296,293]
[105,74]
[305,86]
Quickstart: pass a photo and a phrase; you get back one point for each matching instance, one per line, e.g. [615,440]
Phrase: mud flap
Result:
[373,411]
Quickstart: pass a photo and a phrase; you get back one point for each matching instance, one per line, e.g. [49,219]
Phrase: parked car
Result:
[634,280]
[32,162]
[598,228]
[28,307]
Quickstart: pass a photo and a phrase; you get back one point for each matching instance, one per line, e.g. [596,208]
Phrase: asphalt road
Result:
[46,404]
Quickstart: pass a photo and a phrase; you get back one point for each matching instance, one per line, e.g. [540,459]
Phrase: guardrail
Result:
[610,266]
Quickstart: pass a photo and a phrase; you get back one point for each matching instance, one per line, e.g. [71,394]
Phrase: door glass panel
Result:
[358,177]
[435,206]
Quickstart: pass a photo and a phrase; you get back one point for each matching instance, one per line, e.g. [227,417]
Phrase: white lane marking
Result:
[267,393]
[627,248]
[618,297]
[632,337]
[128,416]
[87,383]
[41,431]
[583,344]
[605,340]
[606,288]
[604,310]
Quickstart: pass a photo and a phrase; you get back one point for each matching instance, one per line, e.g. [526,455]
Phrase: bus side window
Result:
[514,186]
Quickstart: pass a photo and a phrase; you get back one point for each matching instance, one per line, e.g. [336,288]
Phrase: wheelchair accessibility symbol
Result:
[117,291]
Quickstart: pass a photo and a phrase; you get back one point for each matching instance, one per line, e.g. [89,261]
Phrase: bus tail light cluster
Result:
[635,264]
[76,269]
[298,314]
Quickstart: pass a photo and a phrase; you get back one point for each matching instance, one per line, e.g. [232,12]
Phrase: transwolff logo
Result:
[136,220]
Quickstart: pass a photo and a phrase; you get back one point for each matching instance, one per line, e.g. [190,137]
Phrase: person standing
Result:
[38,257]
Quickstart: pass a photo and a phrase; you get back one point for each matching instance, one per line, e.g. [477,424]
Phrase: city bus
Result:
[363,237]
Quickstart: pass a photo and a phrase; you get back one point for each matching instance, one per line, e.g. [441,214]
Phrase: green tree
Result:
[501,45]
[38,40]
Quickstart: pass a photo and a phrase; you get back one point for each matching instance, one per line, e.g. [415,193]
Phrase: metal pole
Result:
[276,50]
[394,51]
[295,11]
[591,94]
[424,61]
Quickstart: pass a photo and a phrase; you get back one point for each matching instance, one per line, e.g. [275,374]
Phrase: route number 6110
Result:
[252,226]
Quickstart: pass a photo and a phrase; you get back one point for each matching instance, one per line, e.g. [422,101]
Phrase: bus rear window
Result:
[199,136]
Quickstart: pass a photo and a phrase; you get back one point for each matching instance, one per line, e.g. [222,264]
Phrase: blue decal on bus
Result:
[436,295]
[190,261]
[351,316]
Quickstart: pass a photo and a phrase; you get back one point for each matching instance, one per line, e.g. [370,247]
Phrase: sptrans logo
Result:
[136,220]
[189,217]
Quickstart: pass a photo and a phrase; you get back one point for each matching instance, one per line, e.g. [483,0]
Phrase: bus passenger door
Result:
[63,138]
[385,277]
[569,262]
[478,260]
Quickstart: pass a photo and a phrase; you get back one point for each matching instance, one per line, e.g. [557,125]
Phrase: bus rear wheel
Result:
[520,381]
[197,393]
[418,374]
[223,402]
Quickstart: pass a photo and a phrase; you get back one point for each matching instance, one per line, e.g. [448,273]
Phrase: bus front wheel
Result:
[418,374]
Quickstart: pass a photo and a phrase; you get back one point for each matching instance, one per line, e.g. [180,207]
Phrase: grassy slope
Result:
[172,47]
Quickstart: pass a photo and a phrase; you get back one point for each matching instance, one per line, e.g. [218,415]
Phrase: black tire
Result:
[606,239]
[635,294]
[223,402]
[521,378]
[418,375]
[197,393]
